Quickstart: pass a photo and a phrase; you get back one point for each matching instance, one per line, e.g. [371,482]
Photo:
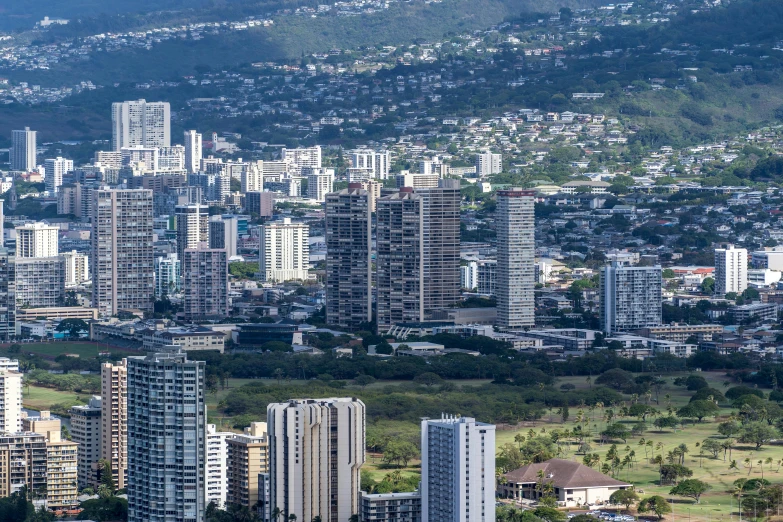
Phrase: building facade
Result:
[319,183]
[224,233]
[86,432]
[248,458]
[391,507]
[316,450]
[7,295]
[348,257]
[193,151]
[54,170]
[40,282]
[216,464]
[10,399]
[205,283]
[140,124]
[166,438]
[77,268]
[192,227]
[515,223]
[37,240]
[23,462]
[23,150]
[457,470]
[122,257]
[167,275]
[488,163]
[731,270]
[285,251]
[114,419]
[631,297]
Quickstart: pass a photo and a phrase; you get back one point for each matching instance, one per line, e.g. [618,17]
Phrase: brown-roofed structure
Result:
[574,484]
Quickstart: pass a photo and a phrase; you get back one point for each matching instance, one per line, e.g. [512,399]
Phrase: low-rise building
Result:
[390,507]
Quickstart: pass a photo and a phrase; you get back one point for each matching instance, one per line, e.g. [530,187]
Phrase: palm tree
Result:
[276,513]
[317,518]
[683,450]
[733,465]
[291,518]
[749,465]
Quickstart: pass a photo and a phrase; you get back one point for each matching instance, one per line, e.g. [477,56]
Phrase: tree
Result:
[708,285]
[698,410]
[758,433]
[73,326]
[666,422]
[109,508]
[364,380]
[537,449]
[399,451]
[107,475]
[712,446]
[615,378]
[626,497]
[693,488]
[549,514]
[729,428]
[641,410]
[616,431]
[427,379]
[670,473]
[655,504]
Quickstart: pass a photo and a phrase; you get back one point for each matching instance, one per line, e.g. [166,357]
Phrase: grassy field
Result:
[38,398]
[715,504]
[80,348]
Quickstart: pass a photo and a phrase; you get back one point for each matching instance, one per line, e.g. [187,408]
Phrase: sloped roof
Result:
[563,474]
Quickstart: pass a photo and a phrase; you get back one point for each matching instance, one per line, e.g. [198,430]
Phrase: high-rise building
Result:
[23,150]
[167,275]
[140,124]
[731,270]
[224,233]
[10,398]
[261,203]
[457,470]
[488,163]
[61,473]
[54,170]
[373,189]
[86,432]
[515,224]
[23,462]
[417,241]
[252,177]
[36,240]
[205,283]
[192,227]
[630,297]
[193,151]
[166,438]
[487,276]
[216,466]
[316,451]
[319,182]
[285,251]
[114,419]
[40,281]
[248,457]
[302,158]
[469,275]
[348,257]
[7,295]
[122,257]
[77,268]
[376,162]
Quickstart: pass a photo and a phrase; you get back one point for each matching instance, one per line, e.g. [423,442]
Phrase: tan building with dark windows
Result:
[248,457]
[114,419]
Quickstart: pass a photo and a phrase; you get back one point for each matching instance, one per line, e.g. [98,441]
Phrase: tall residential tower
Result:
[515,224]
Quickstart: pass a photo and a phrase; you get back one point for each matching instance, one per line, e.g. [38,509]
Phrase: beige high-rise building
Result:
[114,419]
[77,268]
[36,240]
[86,432]
[285,251]
[23,459]
[61,474]
[516,227]
[122,257]
[348,257]
[192,227]
[248,457]
[316,451]
[10,398]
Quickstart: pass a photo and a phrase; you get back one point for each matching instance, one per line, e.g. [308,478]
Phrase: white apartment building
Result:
[10,397]
[86,432]
[77,268]
[417,180]
[167,275]
[376,162]
[54,170]
[140,124]
[631,297]
[23,150]
[731,270]
[192,227]
[302,158]
[37,240]
[769,259]
[488,163]
[193,151]
[216,462]
[319,183]
[316,451]
[469,275]
[457,470]
[252,178]
[285,251]
[166,438]
[515,278]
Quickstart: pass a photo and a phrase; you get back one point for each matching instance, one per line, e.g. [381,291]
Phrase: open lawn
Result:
[715,504]
[80,348]
[38,398]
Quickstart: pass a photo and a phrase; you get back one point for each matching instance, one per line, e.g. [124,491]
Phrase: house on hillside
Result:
[574,484]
